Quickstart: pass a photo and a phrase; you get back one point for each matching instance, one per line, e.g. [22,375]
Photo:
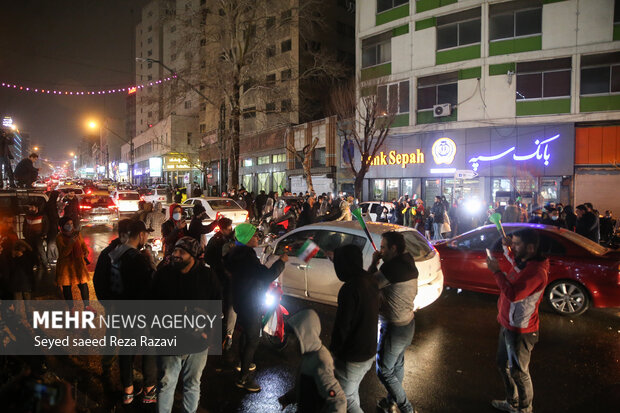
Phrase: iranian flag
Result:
[308,250]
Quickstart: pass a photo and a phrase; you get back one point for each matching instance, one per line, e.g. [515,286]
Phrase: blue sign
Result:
[545,155]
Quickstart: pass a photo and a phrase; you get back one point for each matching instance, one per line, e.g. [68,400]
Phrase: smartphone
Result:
[489,253]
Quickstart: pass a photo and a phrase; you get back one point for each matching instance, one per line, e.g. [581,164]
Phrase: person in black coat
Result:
[261,200]
[51,211]
[587,224]
[309,213]
[250,281]
[25,172]
[437,213]
[196,228]
[72,208]
[101,277]
[570,219]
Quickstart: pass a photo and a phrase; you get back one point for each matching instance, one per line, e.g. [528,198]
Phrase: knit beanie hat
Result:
[190,245]
[244,232]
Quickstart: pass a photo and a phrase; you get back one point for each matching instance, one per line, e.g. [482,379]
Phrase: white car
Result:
[126,201]
[317,280]
[156,195]
[218,207]
[370,209]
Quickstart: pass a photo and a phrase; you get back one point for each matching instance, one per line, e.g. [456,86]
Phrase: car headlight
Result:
[270,300]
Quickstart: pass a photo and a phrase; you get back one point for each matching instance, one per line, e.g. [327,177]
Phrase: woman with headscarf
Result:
[173,229]
[51,210]
[71,266]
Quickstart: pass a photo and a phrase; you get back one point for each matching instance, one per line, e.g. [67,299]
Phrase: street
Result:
[450,365]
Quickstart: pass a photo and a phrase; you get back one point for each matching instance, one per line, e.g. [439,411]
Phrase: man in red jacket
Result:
[521,291]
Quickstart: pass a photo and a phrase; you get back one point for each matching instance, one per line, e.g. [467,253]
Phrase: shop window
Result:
[377,187]
[500,185]
[286,46]
[277,158]
[383,5]
[392,190]
[263,182]
[263,160]
[550,189]
[544,79]
[515,19]
[410,187]
[600,74]
[458,29]
[247,182]
[439,89]
[432,188]
[393,98]
[248,162]
[279,181]
[377,49]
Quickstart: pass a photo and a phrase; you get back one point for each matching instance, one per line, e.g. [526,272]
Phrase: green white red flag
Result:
[308,250]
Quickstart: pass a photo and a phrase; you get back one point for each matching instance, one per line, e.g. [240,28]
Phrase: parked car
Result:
[126,201]
[98,209]
[155,195]
[582,273]
[371,209]
[317,280]
[220,207]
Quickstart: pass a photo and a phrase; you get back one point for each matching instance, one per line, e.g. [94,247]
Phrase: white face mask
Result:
[176,216]
[554,217]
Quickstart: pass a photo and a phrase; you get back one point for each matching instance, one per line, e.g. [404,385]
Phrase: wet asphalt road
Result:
[450,365]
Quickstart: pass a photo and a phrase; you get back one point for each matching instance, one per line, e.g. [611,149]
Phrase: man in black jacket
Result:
[214,256]
[250,281]
[72,208]
[308,213]
[196,229]
[586,223]
[184,278]
[437,213]
[25,172]
[101,277]
[354,337]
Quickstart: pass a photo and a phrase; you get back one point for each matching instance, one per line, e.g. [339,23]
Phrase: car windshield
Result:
[417,245]
[584,242]
[129,197]
[222,204]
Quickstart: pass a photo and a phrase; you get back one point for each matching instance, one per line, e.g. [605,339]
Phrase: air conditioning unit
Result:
[444,109]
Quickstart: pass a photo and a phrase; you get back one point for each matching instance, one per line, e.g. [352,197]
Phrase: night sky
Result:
[65,44]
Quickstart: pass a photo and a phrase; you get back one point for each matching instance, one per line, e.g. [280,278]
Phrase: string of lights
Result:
[52,91]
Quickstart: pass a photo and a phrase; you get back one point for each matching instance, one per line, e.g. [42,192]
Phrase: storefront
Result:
[177,169]
[266,172]
[487,164]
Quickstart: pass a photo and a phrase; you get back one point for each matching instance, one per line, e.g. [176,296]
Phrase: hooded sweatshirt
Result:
[317,387]
[354,337]
[155,219]
[171,233]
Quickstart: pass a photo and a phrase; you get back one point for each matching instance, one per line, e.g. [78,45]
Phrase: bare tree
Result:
[365,123]
[305,158]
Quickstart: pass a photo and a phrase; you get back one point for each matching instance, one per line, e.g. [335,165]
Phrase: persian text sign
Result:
[395,158]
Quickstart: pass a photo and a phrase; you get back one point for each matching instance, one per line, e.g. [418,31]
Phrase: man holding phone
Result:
[521,291]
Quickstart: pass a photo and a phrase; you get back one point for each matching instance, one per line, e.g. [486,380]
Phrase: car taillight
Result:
[246,216]
[112,206]
[85,207]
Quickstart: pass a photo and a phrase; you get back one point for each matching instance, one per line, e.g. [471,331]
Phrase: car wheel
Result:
[567,298]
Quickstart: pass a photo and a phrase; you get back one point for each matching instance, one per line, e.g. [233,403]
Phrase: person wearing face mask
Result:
[185,277]
[553,218]
[71,265]
[25,172]
[196,229]
[130,277]
[173,229]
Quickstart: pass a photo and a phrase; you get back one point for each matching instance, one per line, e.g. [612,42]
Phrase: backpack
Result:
[117,286]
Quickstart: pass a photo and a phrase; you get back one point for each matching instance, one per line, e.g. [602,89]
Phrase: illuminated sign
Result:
[7,121]
[155,167]
[131,91]
[122,167]
[89,170]
[545,155]
[176,163]
[444,151]
[395,158]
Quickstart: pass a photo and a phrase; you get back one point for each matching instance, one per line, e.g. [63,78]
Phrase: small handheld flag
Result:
[357,213]
[496,219]
[308,250]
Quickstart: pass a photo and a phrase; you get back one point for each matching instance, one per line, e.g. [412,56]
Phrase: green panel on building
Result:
[509,46]
[471,73]
[501,69]
[392,14]
[425,5]
[458,54]
[599,103]
[400,30]
[425,24]
[543,107]
[400,120]
[427,117]
[368,90]
[616,32]
[376,71]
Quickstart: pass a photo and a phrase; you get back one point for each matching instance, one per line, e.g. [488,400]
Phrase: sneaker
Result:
[252,367]
[384,405]
[249,384]
[150,396]
[504,406]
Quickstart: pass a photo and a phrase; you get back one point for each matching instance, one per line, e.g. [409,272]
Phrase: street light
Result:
[71,154]
[36,148]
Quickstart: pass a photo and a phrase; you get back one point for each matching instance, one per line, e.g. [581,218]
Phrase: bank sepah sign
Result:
[544,150]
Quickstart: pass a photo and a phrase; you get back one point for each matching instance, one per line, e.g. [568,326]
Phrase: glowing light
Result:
[545,155]
[36,148]
[92,124]
[443,170]
[473,206]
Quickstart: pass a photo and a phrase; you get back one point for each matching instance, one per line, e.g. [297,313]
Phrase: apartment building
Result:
[502,98]
[290,40]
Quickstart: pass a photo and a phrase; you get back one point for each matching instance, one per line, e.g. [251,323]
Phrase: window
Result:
[248,162]
[263,160]
[150,29]
[149,114]
[203,128]
[479,241]
[286,74]
[271,51]
[270,79]
[292,243]
[508,20]
[439,89]
[544,79]
[149,53]
[249,112]
[286,45]
[149,40]
[286,16]
[318,157]
[600,74]
[203,42]
[149,77]
[377,50]
[188,104]
[330,240]
[393,98]
[617,12]
[270,107]
[150,13]
[173,29]
[458,29]
[383,5]
[173,44]
[149,65]
[173,57]
[286,106]
[280,157]
[203,64]
[270,22]
[203,107]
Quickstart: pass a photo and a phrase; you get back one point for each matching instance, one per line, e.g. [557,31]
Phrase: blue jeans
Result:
[350,374]
[437,231]
[393,341]
[190,366]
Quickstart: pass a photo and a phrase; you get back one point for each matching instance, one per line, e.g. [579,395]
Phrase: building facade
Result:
[489,97]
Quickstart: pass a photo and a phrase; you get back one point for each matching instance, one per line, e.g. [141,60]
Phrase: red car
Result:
[582,273]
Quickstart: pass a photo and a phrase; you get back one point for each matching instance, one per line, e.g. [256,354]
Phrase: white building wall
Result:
[556,34]
[367,12]
[423,53]
[499,96]
[596,21]
[401,53]
[472,106]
